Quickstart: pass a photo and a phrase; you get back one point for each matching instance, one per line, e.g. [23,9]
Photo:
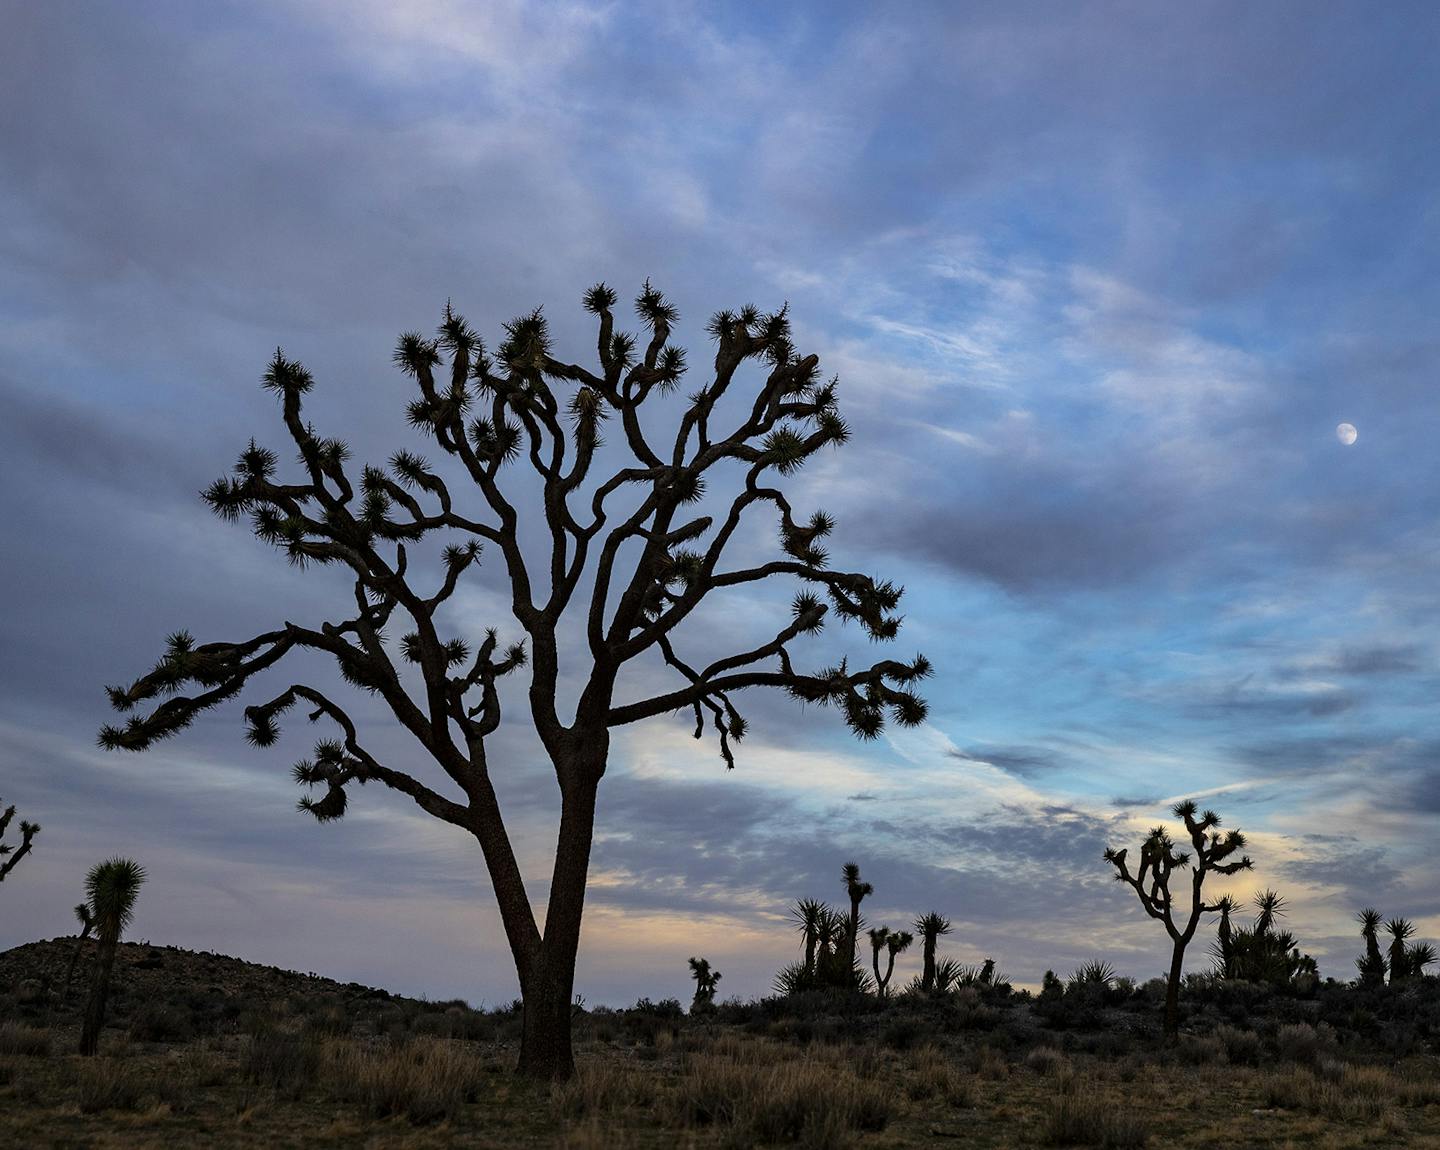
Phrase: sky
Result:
[1099,282]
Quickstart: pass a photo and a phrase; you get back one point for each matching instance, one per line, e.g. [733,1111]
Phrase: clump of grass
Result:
[28,1041]
[288,1064]
[1346,1093]
[603,1087]
[1078,1118]
[107,1084]
[806,1101]
[1047,1062]
[933,1075]
[426,1079]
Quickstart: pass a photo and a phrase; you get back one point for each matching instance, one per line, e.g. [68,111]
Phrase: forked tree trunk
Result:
[548,990]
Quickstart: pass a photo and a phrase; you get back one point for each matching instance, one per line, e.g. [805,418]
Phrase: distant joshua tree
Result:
[623,557]
[1371,964]
[1150,881]
[1262,953]
[930,927]
[809,914]
[1271,905]
[894,942]
[112,888]
[857,891]
[10,856]
[705,982]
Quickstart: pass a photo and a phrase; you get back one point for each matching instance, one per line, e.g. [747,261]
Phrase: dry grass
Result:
[426,1080]
[718,1088]
[1080,1115]
[27,1041]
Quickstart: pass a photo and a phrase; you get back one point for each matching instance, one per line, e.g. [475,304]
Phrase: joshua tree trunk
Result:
[548,989]
[99,995]
[70,970]
[1172,990]
[810,941]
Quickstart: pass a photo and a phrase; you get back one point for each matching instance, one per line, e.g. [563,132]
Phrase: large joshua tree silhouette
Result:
[630,575]
[10,856]
[1159,860]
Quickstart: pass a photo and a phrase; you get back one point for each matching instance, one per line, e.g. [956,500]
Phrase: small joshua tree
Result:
[1271,905]
[621,556]
[892,941]
[1400,929]
[1159,861]
[930,927]
[1371,964]
[112,887]
[705,981]
[857,891]
[10,856]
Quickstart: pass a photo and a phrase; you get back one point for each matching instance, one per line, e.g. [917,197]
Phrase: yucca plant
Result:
[111,889]
[1224,948]
[1159,862]
[10,856]
[808,914]
[1371,964]
[1270,905]
[1418,956]
[705,983]
[1400,930]
[930,927]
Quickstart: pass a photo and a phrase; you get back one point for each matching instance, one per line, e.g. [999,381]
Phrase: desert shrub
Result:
[329,1019]
[425,1079]
[1298,1042]
[904,1033]
[107,1084]
[1202,1050]
[1047,1061]
[1242,1047]
[158,1022]
[1078,1118]
[28,1041]
[933,1075]
[288,1064]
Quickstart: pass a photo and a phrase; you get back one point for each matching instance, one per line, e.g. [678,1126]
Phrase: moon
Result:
[1347,434]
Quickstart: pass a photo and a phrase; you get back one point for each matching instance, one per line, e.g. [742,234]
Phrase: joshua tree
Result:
[1159,860]
[87,924]
[1372,965]
[10,856]
[1400,929]
[628,576]
[808,914]
[705,980]
[1417,957]
[894,942]
[111,887]
[857,890]
[930,927]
